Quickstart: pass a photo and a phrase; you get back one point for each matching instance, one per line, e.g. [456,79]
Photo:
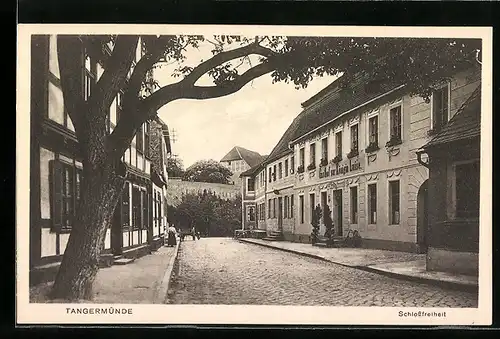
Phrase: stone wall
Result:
[176,188]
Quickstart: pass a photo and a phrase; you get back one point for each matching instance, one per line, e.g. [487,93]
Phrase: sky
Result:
[255,117]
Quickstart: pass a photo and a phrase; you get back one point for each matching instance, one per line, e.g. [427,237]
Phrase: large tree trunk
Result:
[101,188]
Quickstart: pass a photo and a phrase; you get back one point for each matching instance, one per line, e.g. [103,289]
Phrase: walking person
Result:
[193,233]
[171,241]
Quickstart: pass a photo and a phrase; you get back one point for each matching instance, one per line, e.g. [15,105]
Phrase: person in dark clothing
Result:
[172,241]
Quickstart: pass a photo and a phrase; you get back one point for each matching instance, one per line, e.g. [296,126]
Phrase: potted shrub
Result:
[323,162]
[316,217]
[300,169]
[310,167]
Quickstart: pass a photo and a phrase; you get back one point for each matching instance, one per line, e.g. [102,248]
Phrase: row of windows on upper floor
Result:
[440,114]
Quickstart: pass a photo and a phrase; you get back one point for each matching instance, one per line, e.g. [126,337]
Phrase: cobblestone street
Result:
[225,271]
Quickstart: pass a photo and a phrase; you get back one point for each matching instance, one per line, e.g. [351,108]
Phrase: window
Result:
[65,179]
[302,156]
[354,137]
[125,212]
[250,184]
[286,167]
[440,107]
[301,207]
[147,131]
[285,212]
[372,203]
[280,170]
[467,190]
[324,149]
[312,154]
[291,206]
[251,213]
[139,139]
[292,164]
[311,205]
[274,173]
[354,205]
[394,202]
[338,144]
[119,105]
[395,123]
[136,208]
[269,202]
[274,208]
[145,209]
[89,75]
[270,174]
[373,130]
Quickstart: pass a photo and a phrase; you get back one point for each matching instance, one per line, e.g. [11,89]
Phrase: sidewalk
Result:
[401,265]
[144,281]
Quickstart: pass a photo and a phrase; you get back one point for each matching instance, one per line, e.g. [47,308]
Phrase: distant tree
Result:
[209,214]
[175,168]
[208,171]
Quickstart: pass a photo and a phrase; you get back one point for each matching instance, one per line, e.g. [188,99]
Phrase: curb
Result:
[457,286]
[162,289]
[440,283]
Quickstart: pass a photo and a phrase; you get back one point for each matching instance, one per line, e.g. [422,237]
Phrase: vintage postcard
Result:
[192,174]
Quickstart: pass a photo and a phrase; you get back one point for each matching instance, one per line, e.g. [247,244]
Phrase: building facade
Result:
[239,160]
[354,148]
[56,167]
[453,159]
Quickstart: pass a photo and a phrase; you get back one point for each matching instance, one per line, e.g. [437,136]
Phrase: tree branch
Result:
[183,90]
[142,67]
[224,57]
[115,73]
[125,129]
[209,92]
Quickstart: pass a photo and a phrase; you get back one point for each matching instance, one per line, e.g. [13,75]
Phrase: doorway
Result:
[422,217]
[324,203]
[280,214]
[337,211]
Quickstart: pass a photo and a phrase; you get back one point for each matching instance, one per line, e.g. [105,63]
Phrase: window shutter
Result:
[56,195]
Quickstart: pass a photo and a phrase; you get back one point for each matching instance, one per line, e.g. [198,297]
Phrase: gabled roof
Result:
[253,170]
[334,103]
[239,153]
[465,124]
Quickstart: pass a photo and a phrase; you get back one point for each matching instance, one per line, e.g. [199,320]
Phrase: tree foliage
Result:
[208,171]
[208,213]
[175,168]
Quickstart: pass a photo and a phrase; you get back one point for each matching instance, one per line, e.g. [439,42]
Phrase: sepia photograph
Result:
[254,174]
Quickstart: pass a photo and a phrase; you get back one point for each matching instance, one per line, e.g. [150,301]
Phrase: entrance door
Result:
[422,218]
[280,214]
[338,212]
[323,207]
